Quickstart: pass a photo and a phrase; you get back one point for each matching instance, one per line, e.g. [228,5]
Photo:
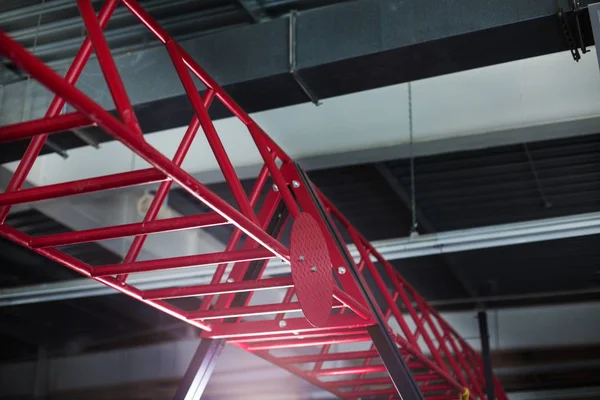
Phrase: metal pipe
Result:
[220,288]
[75,70]
[265,215]
[468,239]
[134,142]
[44,126]
[108,66]
[138,228]
[163,189]
[491,236]
[83,186]
[360,382]
[367,369]
[247,311]
[348,355]
[486,355]
[351,303]
[291,343]
[210,132]
[180,262]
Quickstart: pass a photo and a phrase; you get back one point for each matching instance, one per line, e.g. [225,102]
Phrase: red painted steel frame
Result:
[444,367]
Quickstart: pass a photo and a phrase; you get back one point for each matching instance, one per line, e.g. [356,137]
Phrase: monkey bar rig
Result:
[364,331]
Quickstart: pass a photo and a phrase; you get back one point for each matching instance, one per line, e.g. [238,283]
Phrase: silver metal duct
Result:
[425,245]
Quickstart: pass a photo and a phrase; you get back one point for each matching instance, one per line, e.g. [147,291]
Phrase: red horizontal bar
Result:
[220,288]
[334,333]
[55,83]
[371,393]
[351,303]
[139,228]
[434,388]
[359,382]
[76,265]
[349,355]
[185,261]
[442,397]
[43,126]
[262,309]
[291,343]
[363,369]
[292,325]
[299,373]
[90,185]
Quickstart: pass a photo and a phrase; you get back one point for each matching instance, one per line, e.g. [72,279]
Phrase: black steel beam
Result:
[205,358]
[192,386]
[486,355]
[380,335]
[341,49]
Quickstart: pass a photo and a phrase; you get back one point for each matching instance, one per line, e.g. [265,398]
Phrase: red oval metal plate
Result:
[311,269]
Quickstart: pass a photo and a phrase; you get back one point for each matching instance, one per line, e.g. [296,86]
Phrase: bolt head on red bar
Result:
[311,269]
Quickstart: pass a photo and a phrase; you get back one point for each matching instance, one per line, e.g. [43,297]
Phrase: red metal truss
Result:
[339,356]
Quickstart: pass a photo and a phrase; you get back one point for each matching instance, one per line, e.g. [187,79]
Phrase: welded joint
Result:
[293,40]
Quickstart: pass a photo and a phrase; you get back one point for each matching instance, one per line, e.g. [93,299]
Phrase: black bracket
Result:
[292,60]
[575,43]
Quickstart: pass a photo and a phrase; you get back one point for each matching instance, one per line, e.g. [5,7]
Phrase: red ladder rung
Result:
[197,260]
[108,66]
[359,382]
[134,229]
[369,393]
[220,288]
[365,369]
[304,342]
[292,325]
[335,333]
[210,132]
[349,355]
[83,186]
[254,336]
[427,377]
[44,126]
[247,311]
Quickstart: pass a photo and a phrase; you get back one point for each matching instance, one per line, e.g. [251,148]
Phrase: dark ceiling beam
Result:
[427,227]
[341,49]
[545,356]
